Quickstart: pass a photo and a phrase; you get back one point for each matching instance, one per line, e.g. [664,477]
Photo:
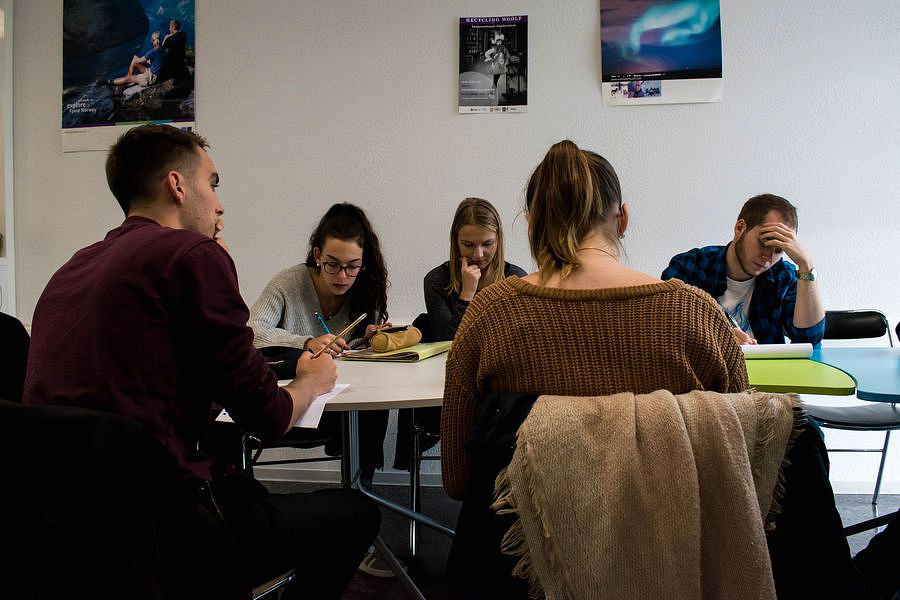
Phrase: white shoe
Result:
[374,565]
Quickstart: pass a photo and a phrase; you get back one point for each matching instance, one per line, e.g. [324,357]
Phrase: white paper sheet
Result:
[310,419]
[752,351]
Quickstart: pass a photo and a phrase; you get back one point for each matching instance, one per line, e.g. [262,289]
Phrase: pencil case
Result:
[395,338]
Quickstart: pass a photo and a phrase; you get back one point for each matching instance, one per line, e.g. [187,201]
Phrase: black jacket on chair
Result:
[94,506]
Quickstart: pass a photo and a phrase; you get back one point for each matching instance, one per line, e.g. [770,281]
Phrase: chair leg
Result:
[246,463]
[887,440]
[413,478]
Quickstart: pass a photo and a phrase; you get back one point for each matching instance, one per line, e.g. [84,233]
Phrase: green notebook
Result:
[411,354]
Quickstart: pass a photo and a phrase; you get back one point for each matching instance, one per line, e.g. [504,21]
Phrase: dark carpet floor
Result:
[427,567]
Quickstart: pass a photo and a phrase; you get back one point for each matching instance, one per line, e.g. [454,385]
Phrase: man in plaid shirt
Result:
[764,297]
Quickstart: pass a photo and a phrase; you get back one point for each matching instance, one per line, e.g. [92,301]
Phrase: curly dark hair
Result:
[348,222]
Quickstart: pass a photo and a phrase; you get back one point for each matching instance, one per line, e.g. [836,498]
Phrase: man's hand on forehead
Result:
[782,238]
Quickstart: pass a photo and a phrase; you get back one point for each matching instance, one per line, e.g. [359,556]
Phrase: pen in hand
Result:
[322,321]
[727,314]
[345,331]
[742,336]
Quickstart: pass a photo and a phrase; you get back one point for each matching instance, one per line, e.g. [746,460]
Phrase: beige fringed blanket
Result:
[649,496]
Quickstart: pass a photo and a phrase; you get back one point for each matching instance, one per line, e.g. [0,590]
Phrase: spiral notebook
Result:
[411,354]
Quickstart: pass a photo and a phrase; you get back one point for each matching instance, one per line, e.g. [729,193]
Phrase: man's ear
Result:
[739,228]
[176,185]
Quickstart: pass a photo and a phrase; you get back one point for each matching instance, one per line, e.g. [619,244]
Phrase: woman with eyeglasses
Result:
[343,276]
[305,305]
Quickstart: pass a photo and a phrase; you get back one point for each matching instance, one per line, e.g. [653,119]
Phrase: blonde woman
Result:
[476,261]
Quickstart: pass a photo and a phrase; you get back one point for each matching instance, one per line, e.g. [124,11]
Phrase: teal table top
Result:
[876,371]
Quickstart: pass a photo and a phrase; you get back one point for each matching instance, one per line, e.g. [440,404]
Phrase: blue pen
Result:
[322,321]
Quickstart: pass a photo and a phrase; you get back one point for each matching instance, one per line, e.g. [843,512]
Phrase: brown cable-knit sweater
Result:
[519,337]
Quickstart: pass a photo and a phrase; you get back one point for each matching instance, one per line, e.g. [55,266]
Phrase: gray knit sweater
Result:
[284,315]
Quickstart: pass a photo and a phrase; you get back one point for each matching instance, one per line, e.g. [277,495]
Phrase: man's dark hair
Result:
[177,24]
[756,208]
[140,159]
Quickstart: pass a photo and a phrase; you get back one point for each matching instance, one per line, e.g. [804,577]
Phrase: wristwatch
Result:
[810,276]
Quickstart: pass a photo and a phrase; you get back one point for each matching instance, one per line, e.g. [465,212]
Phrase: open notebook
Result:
[777,351]
[411,354]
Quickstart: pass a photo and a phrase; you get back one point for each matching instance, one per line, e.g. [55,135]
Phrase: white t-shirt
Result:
[736,302]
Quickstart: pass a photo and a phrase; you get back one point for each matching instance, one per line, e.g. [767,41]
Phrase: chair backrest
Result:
[15,342]
[856,324]
[94,505]
[424,325]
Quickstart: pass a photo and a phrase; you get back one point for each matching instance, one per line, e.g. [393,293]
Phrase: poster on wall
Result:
[661,51]
[125,62]
[493,64]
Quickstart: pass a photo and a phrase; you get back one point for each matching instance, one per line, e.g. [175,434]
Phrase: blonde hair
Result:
[570,193]
[480,212]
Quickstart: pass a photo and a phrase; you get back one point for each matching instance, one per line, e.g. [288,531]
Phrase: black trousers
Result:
[322,534]
[878,562]
[372,429]
[809,552]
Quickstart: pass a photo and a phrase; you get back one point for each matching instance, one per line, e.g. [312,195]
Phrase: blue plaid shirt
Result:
[771,312]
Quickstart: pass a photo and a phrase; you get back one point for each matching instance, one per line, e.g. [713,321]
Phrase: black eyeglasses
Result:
[333,268]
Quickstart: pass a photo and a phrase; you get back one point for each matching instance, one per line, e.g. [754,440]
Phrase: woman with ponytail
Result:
[583,325]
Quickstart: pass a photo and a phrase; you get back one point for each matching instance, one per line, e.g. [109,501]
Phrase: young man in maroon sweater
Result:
[149,323]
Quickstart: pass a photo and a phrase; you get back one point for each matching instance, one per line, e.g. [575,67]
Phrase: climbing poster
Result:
[661,51]
[125,62]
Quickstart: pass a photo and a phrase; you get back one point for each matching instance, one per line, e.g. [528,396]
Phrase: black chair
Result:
[272,586]
[283,361]
[15,350]
[94,506]
[874,416]
[296,439]
[330,432]
[856,324]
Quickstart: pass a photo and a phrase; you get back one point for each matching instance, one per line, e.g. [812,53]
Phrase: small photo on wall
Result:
[493,64]
[637,88]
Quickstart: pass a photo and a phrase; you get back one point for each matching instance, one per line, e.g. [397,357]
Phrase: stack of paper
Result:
[777,351]
[411,354]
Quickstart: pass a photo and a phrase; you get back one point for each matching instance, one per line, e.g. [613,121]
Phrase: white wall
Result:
[311,102]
